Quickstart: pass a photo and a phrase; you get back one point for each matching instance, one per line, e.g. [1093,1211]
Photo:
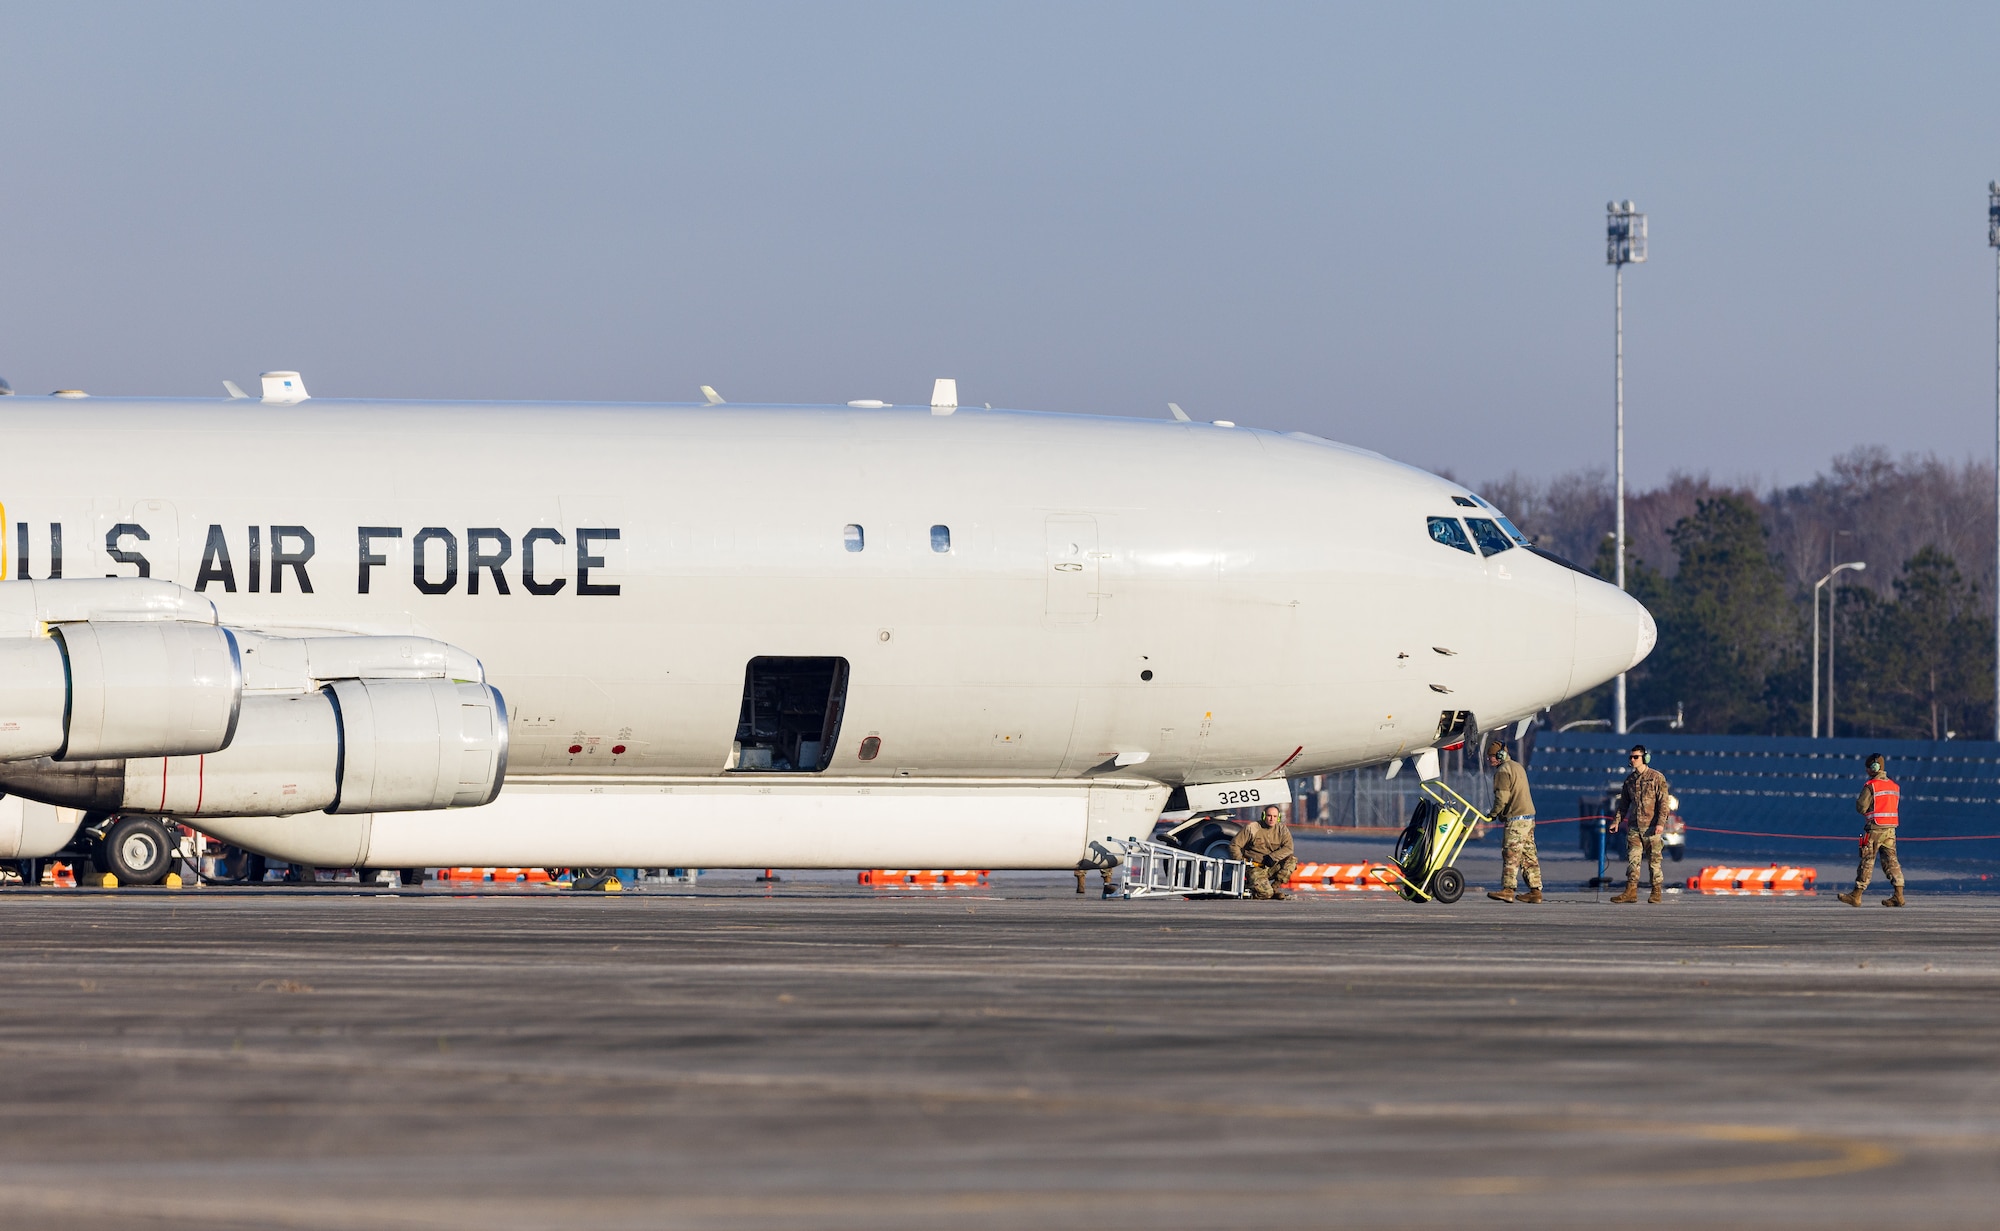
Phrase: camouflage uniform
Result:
[1876,839]
[1083,874]
[1642,806]
[1514,805]
[1268,851]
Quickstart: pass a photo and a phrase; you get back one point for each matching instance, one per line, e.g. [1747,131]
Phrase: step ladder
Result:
[1153,869]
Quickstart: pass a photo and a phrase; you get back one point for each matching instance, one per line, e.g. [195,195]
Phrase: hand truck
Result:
[1437,831]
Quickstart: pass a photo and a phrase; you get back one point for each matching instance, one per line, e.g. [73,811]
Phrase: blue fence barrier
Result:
[1789,797]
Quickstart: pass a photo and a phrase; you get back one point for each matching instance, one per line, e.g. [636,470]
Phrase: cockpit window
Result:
[1446,530]
[1491,541]
[1466,502]
[1513,531]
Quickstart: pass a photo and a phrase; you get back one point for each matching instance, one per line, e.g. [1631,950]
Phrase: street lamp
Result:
[1993,242]
[1857,566]
[1625,244]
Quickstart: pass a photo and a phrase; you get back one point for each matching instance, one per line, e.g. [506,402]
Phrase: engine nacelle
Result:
[417,745]
[352,746]
[91,690]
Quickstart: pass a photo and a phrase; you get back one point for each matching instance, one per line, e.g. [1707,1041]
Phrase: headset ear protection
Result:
[1498,750]
[1645,754]
[1875,762]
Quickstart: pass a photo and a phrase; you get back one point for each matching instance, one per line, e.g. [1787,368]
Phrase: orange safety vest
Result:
[1886,794]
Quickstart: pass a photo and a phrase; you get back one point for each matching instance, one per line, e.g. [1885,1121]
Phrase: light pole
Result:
[1856,565]
[1625,244]
[1993,242]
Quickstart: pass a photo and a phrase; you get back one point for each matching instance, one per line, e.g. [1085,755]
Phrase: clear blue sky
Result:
[1383,225]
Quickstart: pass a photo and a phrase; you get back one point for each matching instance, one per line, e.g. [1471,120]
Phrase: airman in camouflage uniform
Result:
[1083,874]
[1267,847]
[1881,802]
[1513,805]
[1642,802]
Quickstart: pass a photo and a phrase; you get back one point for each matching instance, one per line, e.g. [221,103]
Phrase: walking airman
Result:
[1878,801]
[1514,807]
[1642,803]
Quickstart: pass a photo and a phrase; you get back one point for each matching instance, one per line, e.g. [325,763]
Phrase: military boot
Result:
[1531,897]
[1894,899]
[1852,897]
[1656,899]
[1631,893]
[1501,895]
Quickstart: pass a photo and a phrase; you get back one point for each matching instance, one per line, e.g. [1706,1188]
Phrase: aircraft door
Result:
[1072,569]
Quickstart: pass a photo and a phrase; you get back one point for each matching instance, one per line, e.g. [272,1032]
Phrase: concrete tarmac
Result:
[814,1055]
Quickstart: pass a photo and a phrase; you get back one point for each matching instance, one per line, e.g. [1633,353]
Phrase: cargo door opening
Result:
[790,720]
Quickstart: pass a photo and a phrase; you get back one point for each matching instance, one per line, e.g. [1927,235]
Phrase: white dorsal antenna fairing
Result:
[284,388]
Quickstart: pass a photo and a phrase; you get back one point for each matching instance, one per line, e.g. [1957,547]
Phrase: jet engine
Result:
[351,746]
[137,701]
[124,675]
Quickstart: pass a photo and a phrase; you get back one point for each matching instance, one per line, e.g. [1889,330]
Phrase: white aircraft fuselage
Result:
[1031,626]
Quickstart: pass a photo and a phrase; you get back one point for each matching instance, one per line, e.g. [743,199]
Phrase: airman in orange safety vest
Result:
[1878,801]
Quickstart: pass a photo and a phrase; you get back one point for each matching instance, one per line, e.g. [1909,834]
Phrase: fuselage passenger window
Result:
[1491,539]
[941,539]
[853,537]
[1446,530]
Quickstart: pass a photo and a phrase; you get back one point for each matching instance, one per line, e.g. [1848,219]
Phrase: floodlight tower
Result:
[1625,244]
[1993,242]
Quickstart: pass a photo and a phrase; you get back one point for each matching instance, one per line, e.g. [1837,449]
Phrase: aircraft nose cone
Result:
[1614,633]
[1649,636]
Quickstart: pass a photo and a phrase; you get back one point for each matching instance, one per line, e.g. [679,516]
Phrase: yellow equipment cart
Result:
[1437,831]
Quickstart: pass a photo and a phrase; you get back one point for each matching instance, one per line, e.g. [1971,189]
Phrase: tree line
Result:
[1728,573]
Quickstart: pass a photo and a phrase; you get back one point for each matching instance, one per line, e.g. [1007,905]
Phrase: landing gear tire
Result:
[1218,849]
[411,876]
[136,850]
[1677,853]
[1448,885]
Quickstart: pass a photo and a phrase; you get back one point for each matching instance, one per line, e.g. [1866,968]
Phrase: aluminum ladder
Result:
[1153,869]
